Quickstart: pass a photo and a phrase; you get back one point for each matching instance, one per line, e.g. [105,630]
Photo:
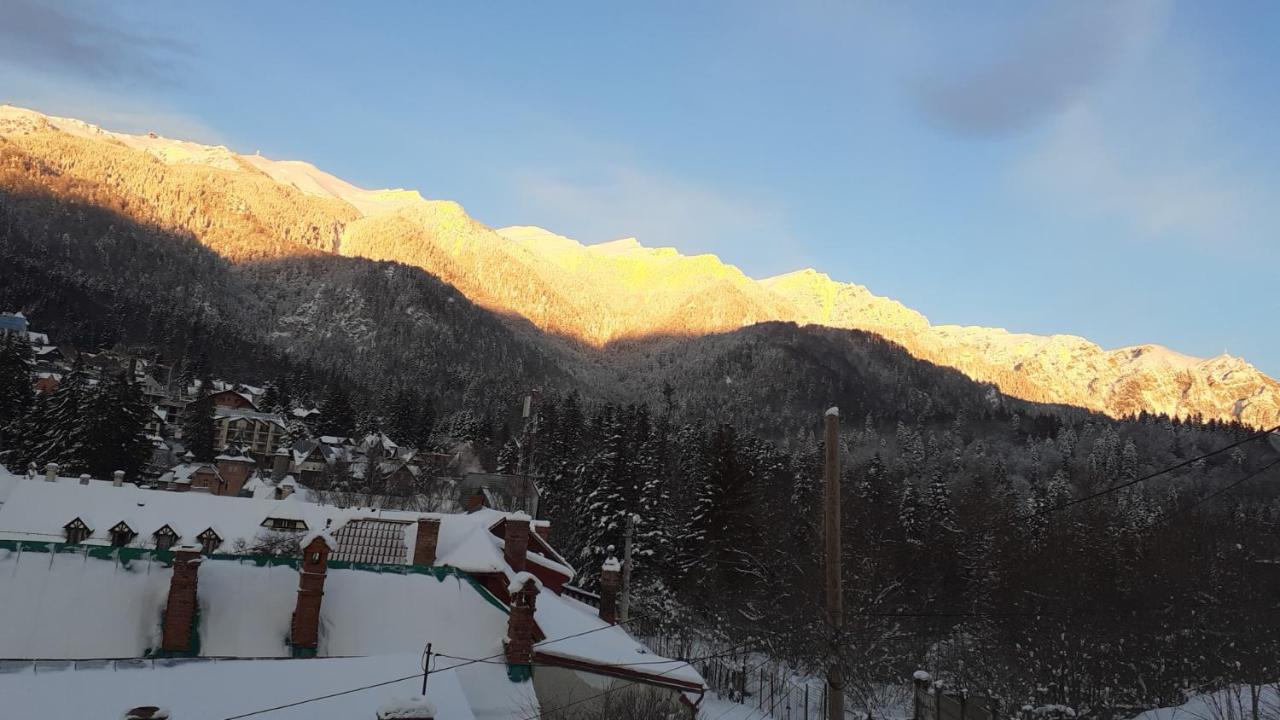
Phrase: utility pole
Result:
[426,668]
[831,561]
[624,602]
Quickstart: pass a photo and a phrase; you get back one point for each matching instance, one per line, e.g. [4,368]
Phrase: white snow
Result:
[717,708]
[561,617]
[209,690]
[1230,702]
[36,511]
[68,605]
[611,565]
[833,411]
[324,534]
[519,579]
[415,706]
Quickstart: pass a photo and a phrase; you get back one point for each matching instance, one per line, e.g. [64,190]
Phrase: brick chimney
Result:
[304,630]
[610,582]
[424,548]
[51,472]
[117,478]
[473,502]
[280,464]
[520,625]
[516,540]
[180,611]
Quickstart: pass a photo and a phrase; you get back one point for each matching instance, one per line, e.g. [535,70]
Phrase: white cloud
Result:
[1158,188]
[622,200]
[118,112]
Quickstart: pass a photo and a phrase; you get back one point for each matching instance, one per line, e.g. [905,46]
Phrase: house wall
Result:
[234,473]
[557,687]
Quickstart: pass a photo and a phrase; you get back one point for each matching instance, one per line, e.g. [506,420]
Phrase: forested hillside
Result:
[249,209]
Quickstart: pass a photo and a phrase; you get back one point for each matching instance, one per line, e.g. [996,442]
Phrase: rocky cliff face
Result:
[246,207]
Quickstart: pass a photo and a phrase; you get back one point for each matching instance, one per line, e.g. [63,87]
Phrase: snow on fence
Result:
[932,703]
[771,688]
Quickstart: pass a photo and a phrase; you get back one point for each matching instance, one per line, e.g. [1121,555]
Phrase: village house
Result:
[108,570]
[259,433]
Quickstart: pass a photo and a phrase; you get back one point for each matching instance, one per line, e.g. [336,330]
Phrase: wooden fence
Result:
[932,703]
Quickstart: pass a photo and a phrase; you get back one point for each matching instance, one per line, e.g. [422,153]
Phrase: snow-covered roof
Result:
[591,640]
[35,510]
[181,474]
[230,413]
[198,688]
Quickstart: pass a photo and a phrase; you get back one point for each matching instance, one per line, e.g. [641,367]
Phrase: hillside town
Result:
[239,560]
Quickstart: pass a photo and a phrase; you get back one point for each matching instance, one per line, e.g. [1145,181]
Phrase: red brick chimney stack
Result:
[520,625]
[424,548]
[610,583]
[180,611]
[516,540]
[304,630]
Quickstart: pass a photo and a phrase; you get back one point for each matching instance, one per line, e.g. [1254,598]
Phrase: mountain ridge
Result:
[600,293]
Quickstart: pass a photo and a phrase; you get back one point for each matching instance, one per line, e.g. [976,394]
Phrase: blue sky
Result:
[1102,169]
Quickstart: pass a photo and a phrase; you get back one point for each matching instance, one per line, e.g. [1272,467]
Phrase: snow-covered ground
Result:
[714,707]
[1234,703]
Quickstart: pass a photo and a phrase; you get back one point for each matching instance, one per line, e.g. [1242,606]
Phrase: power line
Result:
[733,649]
[1211,496]
[1130,483]
[468,661]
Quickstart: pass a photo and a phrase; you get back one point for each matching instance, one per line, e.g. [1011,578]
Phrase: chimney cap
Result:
[415,707]
[146,712]
[521,579]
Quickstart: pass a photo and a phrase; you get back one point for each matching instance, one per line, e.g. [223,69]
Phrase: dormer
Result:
[164,538]
[121,534]
[77,531]
[285,524]
[209,540]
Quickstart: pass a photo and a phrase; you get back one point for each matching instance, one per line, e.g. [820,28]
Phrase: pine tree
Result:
[15,385]
[115,418]
[58,431]
[941,513]
[909,515]
[337,416]
[603,476]
[199,424]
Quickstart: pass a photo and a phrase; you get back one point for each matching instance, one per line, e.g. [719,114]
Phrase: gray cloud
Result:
[1047,63]
[85,40]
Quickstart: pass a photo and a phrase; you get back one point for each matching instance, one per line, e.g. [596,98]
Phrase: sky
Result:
[1103,169]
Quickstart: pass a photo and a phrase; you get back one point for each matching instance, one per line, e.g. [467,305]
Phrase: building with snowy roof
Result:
[13,323]
[100,571]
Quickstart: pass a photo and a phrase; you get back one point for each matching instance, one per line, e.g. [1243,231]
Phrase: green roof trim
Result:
[126,556]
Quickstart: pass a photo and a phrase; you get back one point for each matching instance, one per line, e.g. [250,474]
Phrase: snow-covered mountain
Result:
[601,294]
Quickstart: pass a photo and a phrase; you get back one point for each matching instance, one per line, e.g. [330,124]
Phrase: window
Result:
[209,540]
[284,523]
[165,537]
[77,531]
[122,534]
